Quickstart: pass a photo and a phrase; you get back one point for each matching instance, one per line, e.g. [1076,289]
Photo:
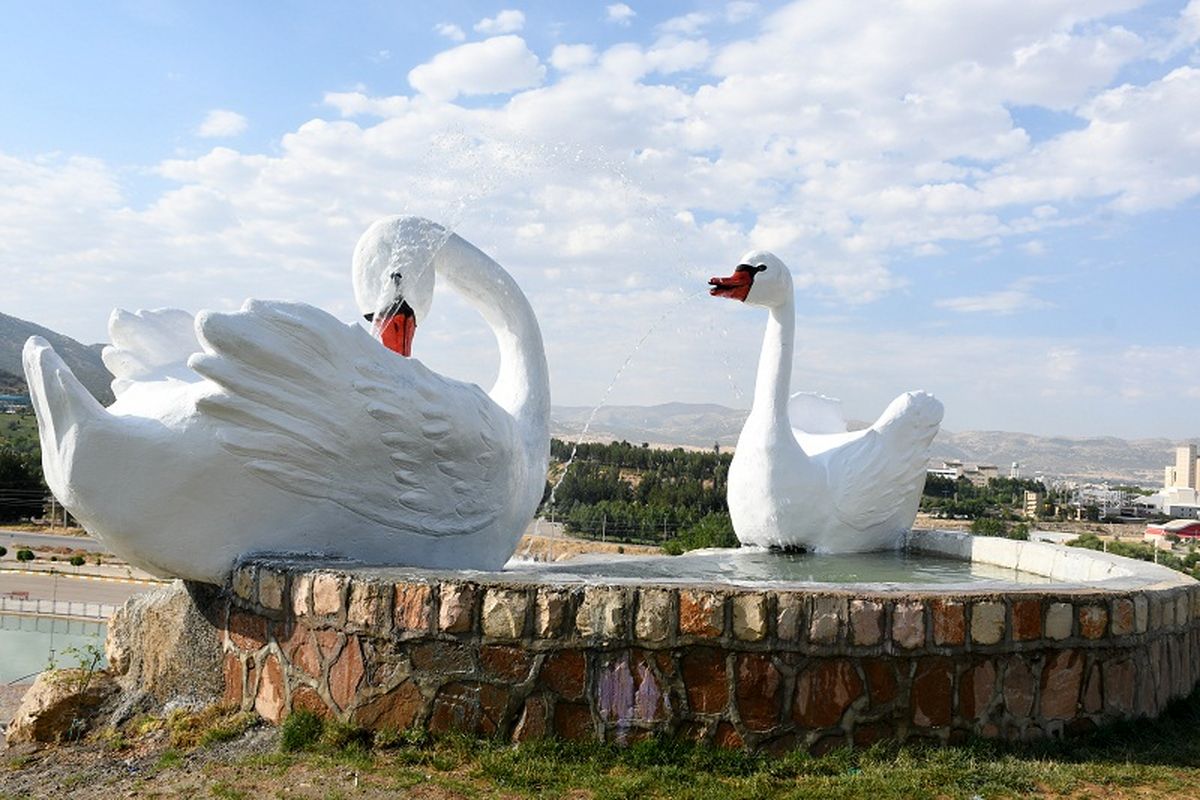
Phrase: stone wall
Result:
[735,666]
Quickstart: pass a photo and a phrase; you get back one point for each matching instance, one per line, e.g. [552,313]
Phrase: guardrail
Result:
[57,608]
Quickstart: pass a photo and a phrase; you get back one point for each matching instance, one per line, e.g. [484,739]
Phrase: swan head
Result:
[760,279]
[394,276]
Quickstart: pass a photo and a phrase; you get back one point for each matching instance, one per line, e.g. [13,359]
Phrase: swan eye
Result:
[749,268]
[396,276]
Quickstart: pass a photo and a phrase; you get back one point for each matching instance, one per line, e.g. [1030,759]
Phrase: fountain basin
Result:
[770,665]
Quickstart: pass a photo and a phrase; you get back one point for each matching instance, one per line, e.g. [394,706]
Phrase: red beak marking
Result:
[736,286]
[397,331]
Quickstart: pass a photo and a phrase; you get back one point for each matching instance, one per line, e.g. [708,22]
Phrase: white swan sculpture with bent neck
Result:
[279,428]
[799,479]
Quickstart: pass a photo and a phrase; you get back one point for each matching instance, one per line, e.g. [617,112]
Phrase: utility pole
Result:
[603,526]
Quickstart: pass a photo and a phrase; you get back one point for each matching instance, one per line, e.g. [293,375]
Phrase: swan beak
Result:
[396,330]
[736,286]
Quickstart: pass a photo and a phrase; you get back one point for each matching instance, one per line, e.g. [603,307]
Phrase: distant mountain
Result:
[1139,461]
[84,360]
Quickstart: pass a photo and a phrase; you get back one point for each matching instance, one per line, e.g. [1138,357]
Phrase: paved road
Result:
[11,538]
[64,587]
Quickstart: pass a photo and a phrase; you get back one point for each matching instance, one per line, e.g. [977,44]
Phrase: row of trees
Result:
[1001,497]
[625,492]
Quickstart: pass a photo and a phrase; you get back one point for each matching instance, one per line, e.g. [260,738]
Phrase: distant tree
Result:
[24,555]
[77,561]
[3,551]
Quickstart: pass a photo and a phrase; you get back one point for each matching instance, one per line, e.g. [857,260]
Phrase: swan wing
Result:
[810,412]
[149,346]
[875,475]
[318,408]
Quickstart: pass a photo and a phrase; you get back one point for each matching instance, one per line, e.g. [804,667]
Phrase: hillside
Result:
[84,360]
[681,424]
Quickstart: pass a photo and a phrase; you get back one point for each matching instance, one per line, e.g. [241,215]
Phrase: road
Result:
[10,539]
[67,587]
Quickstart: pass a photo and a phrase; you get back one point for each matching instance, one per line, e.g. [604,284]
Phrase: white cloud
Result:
[510,20]
[450,31]
[740,10]
[568,57]
[221,123]
[496,65]
[1018,297]
[687,24]
[619,13]
[353,104]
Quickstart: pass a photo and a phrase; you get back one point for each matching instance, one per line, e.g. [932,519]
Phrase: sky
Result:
[995,201]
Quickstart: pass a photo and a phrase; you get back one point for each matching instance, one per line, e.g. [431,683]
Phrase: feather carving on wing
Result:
[148,346]
[319,408]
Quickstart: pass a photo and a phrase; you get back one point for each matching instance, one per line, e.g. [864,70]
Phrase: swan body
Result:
[799,479]
[278,428]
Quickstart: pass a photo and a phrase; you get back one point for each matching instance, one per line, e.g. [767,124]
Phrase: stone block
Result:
[302,595]
[504,612]
[628,691]
[1019,687]
[1182,609]
[1062,678]
[655,615]
[305,698]
[705,679]
[949,622]
[932,697]
[328,591]
[565,672]
[882,686]
[442,658]
[758,691]
[1093,621]
[346,674]
[272,588]
[413,607]
[701,613]
[1059,619]
[987,622]
[243,582]
[750,617]
[573,722]
[1141,613]
[828,615]
[269,700]
[458,601]
[1026,620]
[866,622]
[789,609]
[976,687]
[505,663]
[1122,617]
[369,606]
[908,624]
[534,722]
[602,613]
[56,702]
[824,691]
[469,707]
[398,710]
[247,631]
[550,611]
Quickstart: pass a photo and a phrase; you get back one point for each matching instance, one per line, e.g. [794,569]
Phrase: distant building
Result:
[1185,474]
[1014,471]
[1032,504]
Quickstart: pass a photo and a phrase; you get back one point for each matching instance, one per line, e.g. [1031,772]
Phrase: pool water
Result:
[750,564]
[27,644]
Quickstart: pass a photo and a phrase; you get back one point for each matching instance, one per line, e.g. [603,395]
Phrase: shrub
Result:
[300,730]
[3,551]
[77,561]
[24,555]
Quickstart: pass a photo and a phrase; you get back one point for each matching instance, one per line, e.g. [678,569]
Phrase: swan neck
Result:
[522,385]
[774,380]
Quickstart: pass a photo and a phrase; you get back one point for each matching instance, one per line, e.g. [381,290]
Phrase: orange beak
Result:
[736,286]
[396,329]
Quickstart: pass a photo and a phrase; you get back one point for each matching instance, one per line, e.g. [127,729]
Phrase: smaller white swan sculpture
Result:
[799,479]
[279,428]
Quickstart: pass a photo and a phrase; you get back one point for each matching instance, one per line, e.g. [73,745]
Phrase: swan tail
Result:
[915,416]
[62,405]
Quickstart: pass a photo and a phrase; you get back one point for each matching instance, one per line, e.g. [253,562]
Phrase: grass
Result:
[1139,759]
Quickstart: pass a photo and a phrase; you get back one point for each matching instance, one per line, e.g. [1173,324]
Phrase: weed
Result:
[210,725]
[169,759]
[300,731]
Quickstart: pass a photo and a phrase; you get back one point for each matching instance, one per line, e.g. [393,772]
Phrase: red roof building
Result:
[1183,528]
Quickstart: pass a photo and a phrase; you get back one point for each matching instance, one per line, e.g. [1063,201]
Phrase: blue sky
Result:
[997,202]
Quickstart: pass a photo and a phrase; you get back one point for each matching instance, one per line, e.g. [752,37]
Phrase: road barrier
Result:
[57,608]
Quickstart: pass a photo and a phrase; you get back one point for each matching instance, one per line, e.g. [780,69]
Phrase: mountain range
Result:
[83,359]
[701,425]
